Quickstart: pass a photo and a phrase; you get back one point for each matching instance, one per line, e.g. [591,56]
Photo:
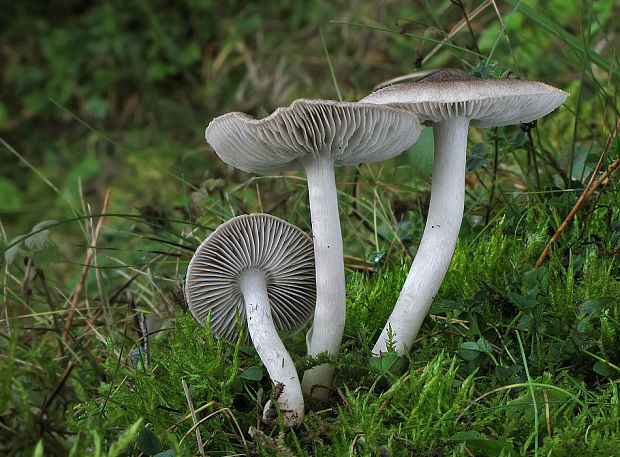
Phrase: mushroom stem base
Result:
[270,349]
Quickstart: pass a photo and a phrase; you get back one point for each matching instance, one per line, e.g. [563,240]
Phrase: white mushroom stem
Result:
[432,260]
[330,311]
[275,357]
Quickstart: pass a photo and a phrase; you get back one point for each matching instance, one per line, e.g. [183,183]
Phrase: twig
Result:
[582,198]
[352,266]
[499,335]
[610,170]
[471,30]
[352,449]
[191,409]
[273,444]
[404,442]
[462,23]
[57,387]
[48,296]
[547,413]
[450,320]
[89,257]
[147,348]
[423,73]
[440,332]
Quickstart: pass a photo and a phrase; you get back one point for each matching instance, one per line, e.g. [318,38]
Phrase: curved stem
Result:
[269,346]
[330,311]
[432,260]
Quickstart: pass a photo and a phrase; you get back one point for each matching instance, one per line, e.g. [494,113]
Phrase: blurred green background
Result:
[117,93]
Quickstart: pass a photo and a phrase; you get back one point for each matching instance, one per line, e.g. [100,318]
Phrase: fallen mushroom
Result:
[451,99]
[317,135]
[260,269]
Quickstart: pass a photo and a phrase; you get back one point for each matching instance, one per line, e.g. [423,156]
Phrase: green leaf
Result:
[595,306]
[603,369]
[39,236]
[148,442]
[388,362]
[48,255]
[592,308]
[210,366]
[526,322]
[166,453]
[11,252]
[253,373]
[469,350]
[530,280]
[96,107]
[493,448]
[464,436]
[523,303]
[125,439]
[38,450]
[420,155]
[484,345]
[477,323]
[489,448]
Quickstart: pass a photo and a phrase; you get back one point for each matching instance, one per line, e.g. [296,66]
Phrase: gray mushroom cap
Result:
[283,252]
[453,93]
[351,133]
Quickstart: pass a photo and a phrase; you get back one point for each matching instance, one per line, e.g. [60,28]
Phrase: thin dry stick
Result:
[352,449]
[89,257]
[440,332]
[610,171]
[352,266]
[501,22]
[273,444]
[462,23]
[504,344]
[63,378]
[188,416]
[226,412]
[547,413]
[499,389]
[450,320]
[423,73]
[582,198]
[204,419]
[191,410]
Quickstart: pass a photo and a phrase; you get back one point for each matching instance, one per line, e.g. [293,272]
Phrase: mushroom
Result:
[317,135]
[260,269]
[451,99]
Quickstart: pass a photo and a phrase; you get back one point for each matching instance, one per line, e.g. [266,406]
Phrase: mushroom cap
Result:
[350,133]
[453,93]
[259,242]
